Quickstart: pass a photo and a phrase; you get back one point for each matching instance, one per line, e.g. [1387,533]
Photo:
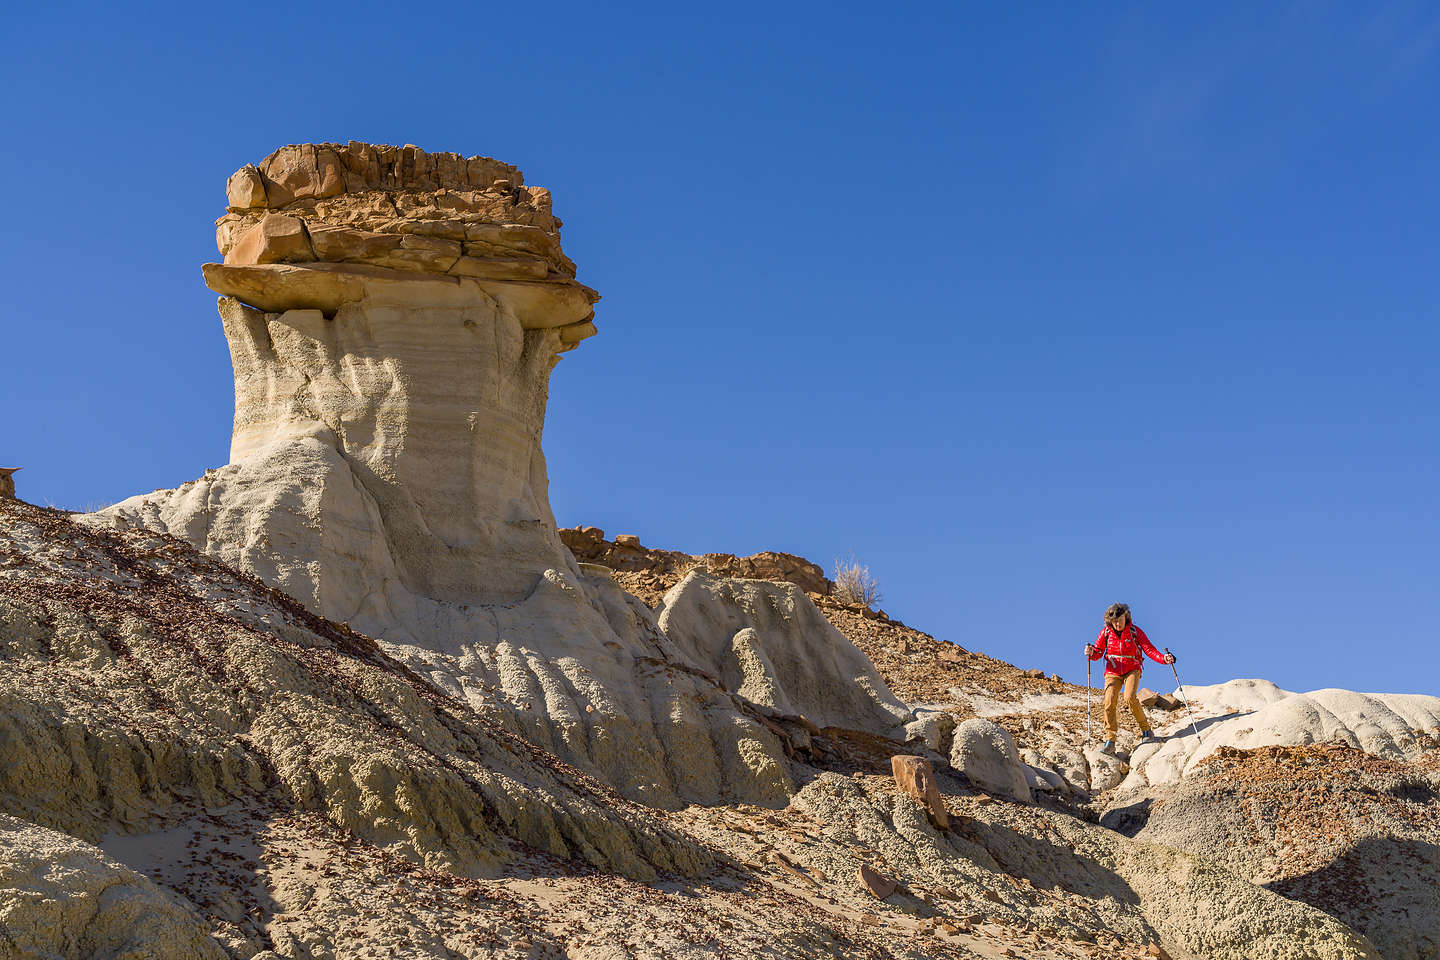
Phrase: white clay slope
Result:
[1388,725]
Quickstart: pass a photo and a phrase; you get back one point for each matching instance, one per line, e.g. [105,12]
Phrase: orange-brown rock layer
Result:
[662,569]
[392,212]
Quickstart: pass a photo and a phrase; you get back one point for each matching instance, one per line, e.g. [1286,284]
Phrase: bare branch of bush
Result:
[853,583]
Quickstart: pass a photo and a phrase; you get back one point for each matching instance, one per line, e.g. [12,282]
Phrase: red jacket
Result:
[1122,651]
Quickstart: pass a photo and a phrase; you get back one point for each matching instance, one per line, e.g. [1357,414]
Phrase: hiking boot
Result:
[1149,737]
[1108,747]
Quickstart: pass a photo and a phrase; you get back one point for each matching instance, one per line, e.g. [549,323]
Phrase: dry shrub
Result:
[853,583]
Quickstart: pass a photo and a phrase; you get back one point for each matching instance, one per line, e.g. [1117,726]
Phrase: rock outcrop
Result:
[770,644]
[626,554]
[1395,726]
[7,482]
[393,319]
[986,754]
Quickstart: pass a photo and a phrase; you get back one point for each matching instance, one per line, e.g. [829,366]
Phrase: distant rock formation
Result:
[393,319]
[7,482]
[627,555]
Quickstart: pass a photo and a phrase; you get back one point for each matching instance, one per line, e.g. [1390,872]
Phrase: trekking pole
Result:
[1088,725]
[1181,687]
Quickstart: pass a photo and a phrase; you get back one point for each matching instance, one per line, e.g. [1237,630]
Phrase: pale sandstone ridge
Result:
[393,320]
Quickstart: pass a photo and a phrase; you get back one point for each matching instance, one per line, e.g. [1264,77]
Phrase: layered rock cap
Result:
[356,210]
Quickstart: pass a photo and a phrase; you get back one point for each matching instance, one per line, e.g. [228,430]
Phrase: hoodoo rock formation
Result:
[393,319]
[405,310]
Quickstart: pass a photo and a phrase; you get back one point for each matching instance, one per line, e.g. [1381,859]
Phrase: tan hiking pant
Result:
[1115,688]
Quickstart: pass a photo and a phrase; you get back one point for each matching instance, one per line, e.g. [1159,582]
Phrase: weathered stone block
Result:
[275,239]
[916,777]
[512,269]
[245,190]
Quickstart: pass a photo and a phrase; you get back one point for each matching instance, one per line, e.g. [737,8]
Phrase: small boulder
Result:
[245,190]
[935,729]
[275,239]
[1147,697]
[986,754]
[916,777]
[1042,775]
[1106,769]
[876,883]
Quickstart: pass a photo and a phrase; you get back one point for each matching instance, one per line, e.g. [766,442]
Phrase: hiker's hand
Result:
[1169,658]
[1090,650]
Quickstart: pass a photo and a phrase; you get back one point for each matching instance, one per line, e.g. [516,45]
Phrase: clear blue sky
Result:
[1031,307]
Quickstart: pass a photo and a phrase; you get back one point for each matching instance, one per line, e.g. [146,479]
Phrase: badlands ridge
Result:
[354,694]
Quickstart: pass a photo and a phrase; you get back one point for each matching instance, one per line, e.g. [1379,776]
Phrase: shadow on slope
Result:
[1387,888]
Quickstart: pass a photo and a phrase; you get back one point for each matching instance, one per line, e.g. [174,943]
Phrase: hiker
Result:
[1121,643]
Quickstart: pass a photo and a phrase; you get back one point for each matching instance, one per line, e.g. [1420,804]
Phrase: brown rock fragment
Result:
[876,883]
[1147,697]
[1155,950]
[332,173]
[275,239]
[570,336]
[245,190]
[444,229]
[7,482]
[511,269]
[491,239]
[430,254]
[339,243]
[916,777]
[784,863]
